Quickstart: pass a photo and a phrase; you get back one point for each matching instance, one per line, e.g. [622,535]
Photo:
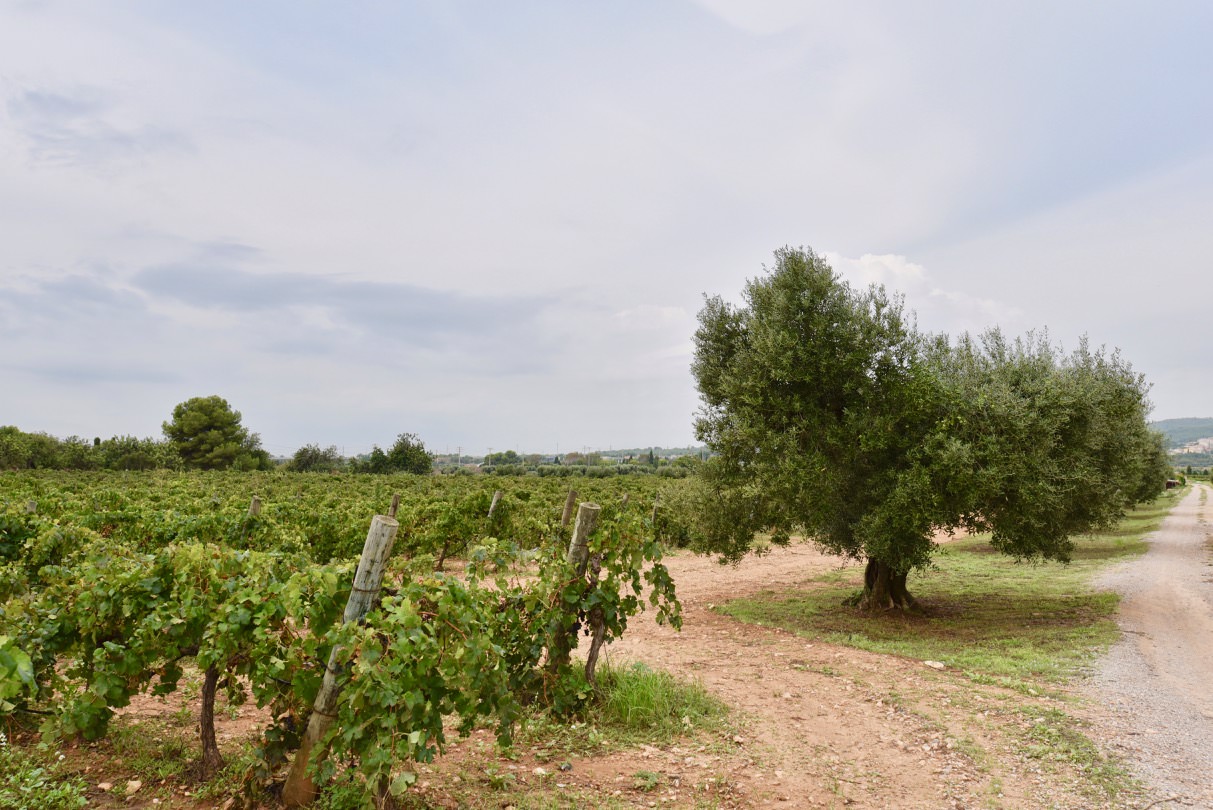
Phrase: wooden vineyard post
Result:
[656,503]
[579,546]
[578,557]
[496,500]
[569,503]
[31,508]
[300,789]
[254,509]
[395,505]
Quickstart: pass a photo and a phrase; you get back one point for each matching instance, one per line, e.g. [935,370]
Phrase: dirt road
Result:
[829,726]
[1157,683]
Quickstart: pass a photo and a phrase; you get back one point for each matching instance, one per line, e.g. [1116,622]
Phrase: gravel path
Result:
[1156,685]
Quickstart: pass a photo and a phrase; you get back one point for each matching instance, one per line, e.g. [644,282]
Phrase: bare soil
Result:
[830,726]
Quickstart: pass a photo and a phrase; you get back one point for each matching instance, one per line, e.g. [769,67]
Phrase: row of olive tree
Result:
[831,416]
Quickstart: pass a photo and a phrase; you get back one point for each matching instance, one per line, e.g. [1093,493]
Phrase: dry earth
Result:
[829,726]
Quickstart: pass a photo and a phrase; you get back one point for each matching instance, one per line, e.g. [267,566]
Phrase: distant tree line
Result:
[204,433]
[39,451]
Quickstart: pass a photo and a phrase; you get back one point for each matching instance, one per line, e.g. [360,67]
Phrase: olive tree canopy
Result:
[832,416]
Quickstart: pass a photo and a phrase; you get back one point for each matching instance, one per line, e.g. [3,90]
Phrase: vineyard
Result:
[114,585]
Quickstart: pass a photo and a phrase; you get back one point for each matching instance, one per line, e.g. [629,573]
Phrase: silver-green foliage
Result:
[831,415]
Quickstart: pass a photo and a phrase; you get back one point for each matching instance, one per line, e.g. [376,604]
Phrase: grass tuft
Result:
[654,703]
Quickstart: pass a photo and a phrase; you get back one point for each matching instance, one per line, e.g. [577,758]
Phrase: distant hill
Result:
[1181,431]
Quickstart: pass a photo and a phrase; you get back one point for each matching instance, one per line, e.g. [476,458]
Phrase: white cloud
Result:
[1025,165]
[763,16]
[938,310]
[889,270]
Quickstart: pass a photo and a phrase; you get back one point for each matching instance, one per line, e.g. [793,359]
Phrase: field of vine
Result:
[113,584]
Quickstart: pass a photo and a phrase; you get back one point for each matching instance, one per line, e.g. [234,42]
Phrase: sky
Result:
[493,224]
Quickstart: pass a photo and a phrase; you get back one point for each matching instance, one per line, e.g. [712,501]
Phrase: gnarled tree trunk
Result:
[885,589]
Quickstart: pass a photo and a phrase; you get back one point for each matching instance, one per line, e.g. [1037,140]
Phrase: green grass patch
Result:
[151,750]
[1052,736]
[997,619]
[635,705]
[655,704]
[33,778]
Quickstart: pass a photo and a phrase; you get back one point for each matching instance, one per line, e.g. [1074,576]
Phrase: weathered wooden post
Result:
[391,512]
[656,503]
[496,500]
[300,789]
[254,507]
[569,503]
[31,508]
[579,546]
[579,557]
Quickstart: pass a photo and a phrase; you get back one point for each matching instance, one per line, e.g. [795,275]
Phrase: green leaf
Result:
[402,783]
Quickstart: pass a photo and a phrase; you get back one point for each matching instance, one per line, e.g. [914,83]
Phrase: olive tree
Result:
[830,415]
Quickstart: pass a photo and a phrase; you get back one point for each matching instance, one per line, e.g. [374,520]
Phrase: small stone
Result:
[935,664]
[106,786]
[132,787]
[540,771]
[737,738]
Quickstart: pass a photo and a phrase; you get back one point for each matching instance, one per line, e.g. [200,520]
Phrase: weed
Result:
[499,780]
[646,781]
[1052,736]
[32,779]
[638,699]
[151,751]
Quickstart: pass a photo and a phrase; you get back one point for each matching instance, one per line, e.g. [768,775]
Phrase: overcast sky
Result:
[493,223]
